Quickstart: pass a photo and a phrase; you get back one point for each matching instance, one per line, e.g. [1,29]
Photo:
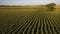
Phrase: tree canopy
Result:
[51,6]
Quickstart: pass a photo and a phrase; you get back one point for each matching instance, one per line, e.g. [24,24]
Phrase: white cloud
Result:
[27,2]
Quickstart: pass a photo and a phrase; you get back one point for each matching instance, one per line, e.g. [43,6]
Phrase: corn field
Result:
[29,21]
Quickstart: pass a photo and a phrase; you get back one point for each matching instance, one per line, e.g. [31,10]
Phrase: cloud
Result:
[28,2]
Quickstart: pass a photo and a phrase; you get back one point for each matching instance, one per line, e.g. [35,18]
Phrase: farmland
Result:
[29,20]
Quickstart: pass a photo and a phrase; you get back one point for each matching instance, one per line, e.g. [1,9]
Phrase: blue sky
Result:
[28,2]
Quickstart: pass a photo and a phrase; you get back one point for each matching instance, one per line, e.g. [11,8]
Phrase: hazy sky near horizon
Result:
[28,2]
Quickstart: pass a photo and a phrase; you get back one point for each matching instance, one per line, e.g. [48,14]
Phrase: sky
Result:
[28,2]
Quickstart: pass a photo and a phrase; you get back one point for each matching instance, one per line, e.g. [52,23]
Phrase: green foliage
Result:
[51,6]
